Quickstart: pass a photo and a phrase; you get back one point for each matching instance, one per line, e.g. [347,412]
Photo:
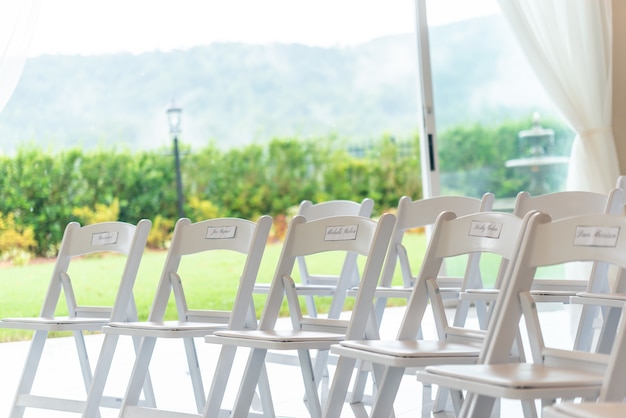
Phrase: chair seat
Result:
[407,354]
[167,329]
[413,348]
[276,339]
[519,375]
[62,323]
[590,409]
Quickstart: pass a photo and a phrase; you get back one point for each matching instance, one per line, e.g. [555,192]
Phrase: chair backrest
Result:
[355,234]
[315,211]
[413,214]
[596,238]
[569,203]
[496,233]
[337,282]
[229,234]
[105,237]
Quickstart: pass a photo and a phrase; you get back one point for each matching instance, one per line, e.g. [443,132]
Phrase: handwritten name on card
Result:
[596,236]
[341,233]
[104,238]
[221,232]
[485,229]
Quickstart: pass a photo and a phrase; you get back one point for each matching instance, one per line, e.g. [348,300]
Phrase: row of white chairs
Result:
[379,242]
[392,358]
[555,373]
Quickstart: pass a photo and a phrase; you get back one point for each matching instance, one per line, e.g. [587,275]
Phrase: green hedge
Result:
[42,188]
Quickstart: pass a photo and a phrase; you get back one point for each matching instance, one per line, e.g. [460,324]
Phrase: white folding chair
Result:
[420,213]
[211,239]
[313,284]
[555,373]
[355,234]
[106,237]
[479,233]
[611,304]
[423,213]
[587,277]
[561,205]
[602,302]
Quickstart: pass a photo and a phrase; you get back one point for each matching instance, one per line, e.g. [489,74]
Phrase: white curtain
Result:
[17,24]
[569,45]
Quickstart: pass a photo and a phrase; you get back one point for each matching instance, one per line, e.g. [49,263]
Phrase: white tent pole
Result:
[428,137]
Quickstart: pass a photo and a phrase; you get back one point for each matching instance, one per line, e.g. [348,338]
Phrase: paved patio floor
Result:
[171,379]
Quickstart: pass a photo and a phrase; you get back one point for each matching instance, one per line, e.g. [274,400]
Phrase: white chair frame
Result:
[210,238]
[105,237]
[478,233]
[341,233]
[314,285]
[554,373]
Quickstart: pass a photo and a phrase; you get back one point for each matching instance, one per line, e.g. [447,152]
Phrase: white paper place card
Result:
[485,229]
[221,232]
[596,236]
[104,238]
[341,233]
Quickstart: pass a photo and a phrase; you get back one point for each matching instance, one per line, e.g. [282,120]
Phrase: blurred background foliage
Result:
[41,191]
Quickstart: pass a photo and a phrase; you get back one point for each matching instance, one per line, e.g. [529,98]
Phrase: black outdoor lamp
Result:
[173,118]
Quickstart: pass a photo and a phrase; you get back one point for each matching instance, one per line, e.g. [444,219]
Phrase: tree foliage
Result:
[44,191]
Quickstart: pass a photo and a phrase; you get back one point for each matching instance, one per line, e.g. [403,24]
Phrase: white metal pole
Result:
[428,137]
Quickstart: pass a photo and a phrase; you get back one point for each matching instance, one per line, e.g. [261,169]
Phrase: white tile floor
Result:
[171,380]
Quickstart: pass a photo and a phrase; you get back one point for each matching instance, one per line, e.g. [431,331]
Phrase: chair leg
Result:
[139,373]
[148,390]
[441,399]
[584,335]
[310,384]
[194,373]
[477,406]
[94,396]
[83,358]
[339,387]
[530,410]
[30,370]
[220,380]
[427,401]
[358,387]
[386,392]
[608,331]
[252,373]
[265,394]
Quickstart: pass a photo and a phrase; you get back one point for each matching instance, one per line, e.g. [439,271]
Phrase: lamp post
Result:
[174,117]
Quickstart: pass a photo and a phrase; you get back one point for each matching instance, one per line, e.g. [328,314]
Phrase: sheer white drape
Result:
[569,45]
[17,23]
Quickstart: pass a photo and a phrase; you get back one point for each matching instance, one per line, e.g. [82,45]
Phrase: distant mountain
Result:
[239,93]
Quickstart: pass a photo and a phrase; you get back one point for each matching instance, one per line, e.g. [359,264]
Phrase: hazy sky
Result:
[105,26]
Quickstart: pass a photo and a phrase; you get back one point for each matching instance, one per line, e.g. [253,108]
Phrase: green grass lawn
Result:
[214,281]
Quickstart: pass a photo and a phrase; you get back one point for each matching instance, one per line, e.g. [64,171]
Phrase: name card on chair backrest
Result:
[485,229]
[596,236]
[221,232]
[104,238]
[341,233]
